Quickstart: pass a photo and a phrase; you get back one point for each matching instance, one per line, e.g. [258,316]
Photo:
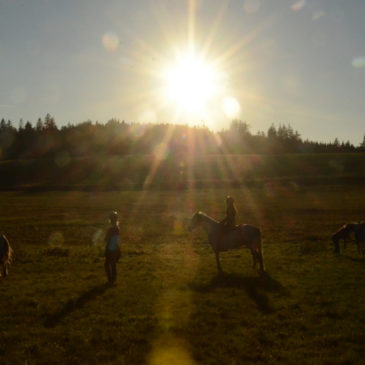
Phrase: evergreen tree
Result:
[362,144]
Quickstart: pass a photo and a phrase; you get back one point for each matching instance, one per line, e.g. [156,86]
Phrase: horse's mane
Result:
[206,216]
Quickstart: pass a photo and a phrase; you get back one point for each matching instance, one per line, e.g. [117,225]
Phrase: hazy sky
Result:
[292,62]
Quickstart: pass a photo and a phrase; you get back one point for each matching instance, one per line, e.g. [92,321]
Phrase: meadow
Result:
[168,305]
[167,170]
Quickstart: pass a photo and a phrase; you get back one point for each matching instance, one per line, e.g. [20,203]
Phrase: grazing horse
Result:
[5,255]
[241,236]
[345,232]
[360,237]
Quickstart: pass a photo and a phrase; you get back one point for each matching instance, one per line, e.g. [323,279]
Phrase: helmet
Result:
[113,216]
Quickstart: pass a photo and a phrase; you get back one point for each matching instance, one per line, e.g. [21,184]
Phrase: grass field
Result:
[179,171]
[168,306]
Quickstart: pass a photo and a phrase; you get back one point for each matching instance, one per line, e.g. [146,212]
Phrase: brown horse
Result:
[240,236]
[5,255]
[345,233]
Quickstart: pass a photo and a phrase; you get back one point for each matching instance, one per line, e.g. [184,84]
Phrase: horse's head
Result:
[342,234]
[195,220]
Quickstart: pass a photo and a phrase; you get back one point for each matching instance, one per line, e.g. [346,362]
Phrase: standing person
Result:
[230,220]
[112,248]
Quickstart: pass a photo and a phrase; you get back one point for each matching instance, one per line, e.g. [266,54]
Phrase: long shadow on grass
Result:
[52,319]
[222,322]
[255,288]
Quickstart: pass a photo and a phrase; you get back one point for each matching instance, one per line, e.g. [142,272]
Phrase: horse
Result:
[5,255]
[345,232]
[360,237]
[243,235]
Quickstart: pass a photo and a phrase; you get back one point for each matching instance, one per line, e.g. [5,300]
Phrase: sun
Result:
[190,83]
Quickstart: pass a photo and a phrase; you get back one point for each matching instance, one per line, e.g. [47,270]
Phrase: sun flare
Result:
[191,83]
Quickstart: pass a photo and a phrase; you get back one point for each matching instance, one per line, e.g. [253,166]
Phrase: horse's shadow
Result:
[255,288]
[52,319]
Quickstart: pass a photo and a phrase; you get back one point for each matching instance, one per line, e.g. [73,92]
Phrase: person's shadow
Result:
[52,319]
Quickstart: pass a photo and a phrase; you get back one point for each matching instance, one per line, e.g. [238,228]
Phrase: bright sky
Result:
[297,62]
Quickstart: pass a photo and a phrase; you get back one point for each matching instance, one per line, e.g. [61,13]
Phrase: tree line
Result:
[46,140]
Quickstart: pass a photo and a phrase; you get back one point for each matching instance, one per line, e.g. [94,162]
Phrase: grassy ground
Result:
[168,306]
[178,171]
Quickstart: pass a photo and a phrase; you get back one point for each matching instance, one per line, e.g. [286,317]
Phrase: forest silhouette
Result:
[119,155]
[47,140]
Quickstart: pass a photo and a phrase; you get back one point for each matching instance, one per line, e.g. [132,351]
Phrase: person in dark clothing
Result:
[112,248]
[229,221]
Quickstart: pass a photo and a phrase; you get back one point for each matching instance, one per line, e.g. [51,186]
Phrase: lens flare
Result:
[358,62]
[148,116]
[231,107]
[56,239]
[251,6]
[110,41]
[161,151]
[317,15]
[171,354]
[98,238]
[299,5]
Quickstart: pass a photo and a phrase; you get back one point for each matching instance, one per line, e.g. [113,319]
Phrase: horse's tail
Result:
[6,250]
[251,237]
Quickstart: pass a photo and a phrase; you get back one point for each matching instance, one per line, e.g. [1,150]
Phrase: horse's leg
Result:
[260,259]
[360,247]
[253,258]
[4,269]
[220,272]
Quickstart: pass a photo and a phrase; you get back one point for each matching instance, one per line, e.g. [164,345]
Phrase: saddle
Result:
[226,228]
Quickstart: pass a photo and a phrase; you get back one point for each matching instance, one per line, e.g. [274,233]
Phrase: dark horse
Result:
[345,232]
[243,235]
[5,255]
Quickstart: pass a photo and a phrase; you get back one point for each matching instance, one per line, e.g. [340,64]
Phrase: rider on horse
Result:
[229,222]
